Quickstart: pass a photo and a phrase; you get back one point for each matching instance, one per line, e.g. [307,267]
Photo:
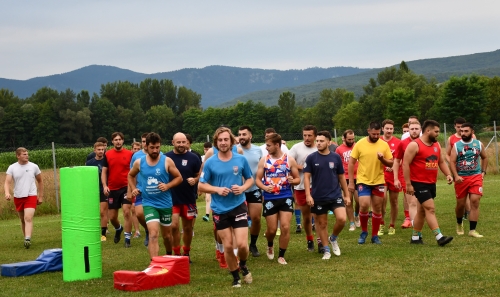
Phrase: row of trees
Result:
[159,105]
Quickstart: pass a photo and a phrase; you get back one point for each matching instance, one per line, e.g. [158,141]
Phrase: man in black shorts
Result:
[99,149]
[325,170]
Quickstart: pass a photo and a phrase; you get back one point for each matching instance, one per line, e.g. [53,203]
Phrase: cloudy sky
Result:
[39,38]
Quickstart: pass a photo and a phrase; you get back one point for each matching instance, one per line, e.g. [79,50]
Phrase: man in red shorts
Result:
[24,173]
[469,174]
[115,170]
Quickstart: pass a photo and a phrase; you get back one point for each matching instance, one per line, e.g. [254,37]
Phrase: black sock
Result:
[253,239]
[472,225]
[270,244]
[207,215]
[243,263]
[103,231]
[169,253]
[282,253]
[459,220]
[236,274]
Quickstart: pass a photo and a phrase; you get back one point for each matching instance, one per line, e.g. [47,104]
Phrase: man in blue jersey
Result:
[326,171]
[276,174]
[468,173]
[223,176]
[253,154]
[184,196]
[97,160]
[156,175]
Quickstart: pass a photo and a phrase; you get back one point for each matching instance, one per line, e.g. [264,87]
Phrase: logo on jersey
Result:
[331,164]
[184,162]
[435,149]
[152,180]
[305,165]
[235,170]
[431,162]
[158,172]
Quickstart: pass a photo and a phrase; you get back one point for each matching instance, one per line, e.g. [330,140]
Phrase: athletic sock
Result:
[309,237]
[186,249]
[27,238]
[333,237]
[415,235]
[236,274]
[104,230]
[437,233]
[128,235]
[297,216]
[282,253]
[382,221]
[270,244]
[363,218]
[169,253]
[407,214]
[391,225]
[119,228]
[459,220]
[253,239]
[376,220]
[326,248]
[177,250]
[207,215]
[312,220]
[472,225]
[356,214]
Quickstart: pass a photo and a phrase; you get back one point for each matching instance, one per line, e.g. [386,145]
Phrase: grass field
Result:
[466,267]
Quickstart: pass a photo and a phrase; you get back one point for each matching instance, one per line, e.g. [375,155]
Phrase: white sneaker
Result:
[335,248]
[352,227]
[270,253]
[282,261]
[326,256]
[357,222]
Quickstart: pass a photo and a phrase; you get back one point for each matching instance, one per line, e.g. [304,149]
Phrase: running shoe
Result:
[460,229]
[270,252]
[137,234]
[392,231]
[444,240]
[310,246]
[247,278]
[335,248]
[299,229]
[326,256]
[103,238]
[474,233]
[357,222]
[118,234]
[237,283]
[278,232]
[127,243]
[27,243]
[376,240]
[362,237]
[282,261]
[321,249]
[217,254]
[381,230]
[406,224]
[206,218]
[418,241]
[352,227]
[222,261]
[254,251]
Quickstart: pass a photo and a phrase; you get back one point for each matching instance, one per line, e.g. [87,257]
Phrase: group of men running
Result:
[243,180]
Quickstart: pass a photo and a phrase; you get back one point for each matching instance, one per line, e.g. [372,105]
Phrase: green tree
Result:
[493,106]
[159,120]
[348,117]
[286,102]
[401,105]
[103,117]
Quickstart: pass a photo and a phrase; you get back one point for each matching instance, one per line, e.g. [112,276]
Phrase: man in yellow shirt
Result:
[372,155]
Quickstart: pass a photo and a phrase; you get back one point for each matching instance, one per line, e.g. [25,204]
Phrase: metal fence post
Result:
[445,142]
[55,177]
[335,133]
[496,143]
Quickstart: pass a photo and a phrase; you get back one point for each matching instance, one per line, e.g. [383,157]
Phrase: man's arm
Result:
[452,159]
[132,179]
[448,151]
[104,180]
[350,172]
[410,153]
[445,169]
[8,182]
[294,179]
[345,191]
[307,188]
[259,175]
[484,160]
[39,180]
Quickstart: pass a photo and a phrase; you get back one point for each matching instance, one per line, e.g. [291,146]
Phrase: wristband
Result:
[483,172]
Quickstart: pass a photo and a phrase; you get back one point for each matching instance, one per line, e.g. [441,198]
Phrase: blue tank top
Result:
[276,174]
[468,155]
[149,178]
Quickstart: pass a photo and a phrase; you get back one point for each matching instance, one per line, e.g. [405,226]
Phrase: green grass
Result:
[466,267]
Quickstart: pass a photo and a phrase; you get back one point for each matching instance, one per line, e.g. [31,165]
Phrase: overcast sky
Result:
[39,38]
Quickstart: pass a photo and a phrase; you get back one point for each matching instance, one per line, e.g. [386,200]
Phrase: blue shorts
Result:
[367,190]
[138,200]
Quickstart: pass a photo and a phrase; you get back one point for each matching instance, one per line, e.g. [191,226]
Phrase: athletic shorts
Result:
[235,218]
[424,191]
[102,197]
[25,202]
[187,211]
[323,207]
[162,215]
[138,200]
[472,184]
[254,196]
[366,190]
[117,198]
[391,187]
[300,197]
[273,206]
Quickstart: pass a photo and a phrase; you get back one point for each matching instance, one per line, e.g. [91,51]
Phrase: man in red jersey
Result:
[409,201]
[115,169]
[391,189]
[420,166]
[344,151]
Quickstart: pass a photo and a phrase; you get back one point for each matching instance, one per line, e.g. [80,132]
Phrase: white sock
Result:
[413,237]
[438,237]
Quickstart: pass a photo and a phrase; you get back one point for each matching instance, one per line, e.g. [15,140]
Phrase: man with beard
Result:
[299,152]
[469,174]
[253,154]
[184,196]
[420,167]
[276,174]
[227,175]
[325,170]
[372,155]
[409,201]
[156,175]
[393,142]
[99,149]
[344,151]
[115,168]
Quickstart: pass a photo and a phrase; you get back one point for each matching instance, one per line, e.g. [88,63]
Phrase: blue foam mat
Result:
[49,260]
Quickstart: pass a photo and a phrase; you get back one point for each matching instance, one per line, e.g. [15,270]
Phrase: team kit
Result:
[244,184]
